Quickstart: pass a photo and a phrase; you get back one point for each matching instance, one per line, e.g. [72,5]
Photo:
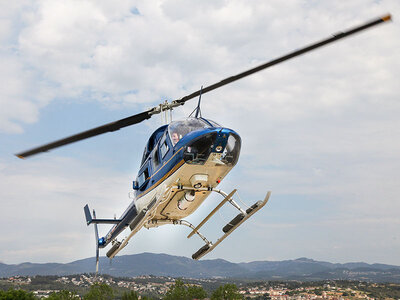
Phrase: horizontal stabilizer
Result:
[90,220]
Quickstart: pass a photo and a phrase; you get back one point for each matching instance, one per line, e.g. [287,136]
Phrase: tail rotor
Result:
[96,233]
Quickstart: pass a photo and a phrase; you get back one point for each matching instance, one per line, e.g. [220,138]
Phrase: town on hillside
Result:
[155,287]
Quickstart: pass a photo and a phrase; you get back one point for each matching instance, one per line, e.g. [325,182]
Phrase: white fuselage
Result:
[170,193]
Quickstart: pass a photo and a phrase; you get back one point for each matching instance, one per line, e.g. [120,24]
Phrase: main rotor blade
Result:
[165,106]
[335,37]
[109,127]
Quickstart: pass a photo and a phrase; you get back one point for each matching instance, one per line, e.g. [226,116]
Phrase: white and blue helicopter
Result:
[183,163]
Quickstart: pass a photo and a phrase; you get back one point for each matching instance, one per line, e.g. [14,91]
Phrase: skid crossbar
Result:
[227,198]
[155,223]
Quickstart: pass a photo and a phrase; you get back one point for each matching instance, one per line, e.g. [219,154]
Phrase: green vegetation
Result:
[228,291]
[88,287]
[99,291]
[63,295]
[181,291]
[17,295]
[131,295]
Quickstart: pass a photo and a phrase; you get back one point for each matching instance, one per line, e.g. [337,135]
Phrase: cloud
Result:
[320,131]
[43,200]
[90,50]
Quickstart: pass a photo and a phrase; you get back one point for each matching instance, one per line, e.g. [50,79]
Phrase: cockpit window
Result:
[154,138]
[230,155]
[163,147]
[179,129]
[143,176]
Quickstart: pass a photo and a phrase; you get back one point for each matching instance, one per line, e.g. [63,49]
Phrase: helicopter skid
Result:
[147,221]
[231,226]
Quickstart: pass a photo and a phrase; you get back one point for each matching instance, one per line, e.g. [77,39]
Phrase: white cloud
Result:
[42,207]
[323,126]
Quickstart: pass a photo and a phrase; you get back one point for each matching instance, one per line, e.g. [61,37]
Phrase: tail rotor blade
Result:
[96,233]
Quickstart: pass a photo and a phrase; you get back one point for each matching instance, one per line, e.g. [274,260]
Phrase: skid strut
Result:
[232,225]
[227,229]
[144,218]
[227,198]
[156,223]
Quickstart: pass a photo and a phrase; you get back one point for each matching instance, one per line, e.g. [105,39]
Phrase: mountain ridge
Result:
[179,266]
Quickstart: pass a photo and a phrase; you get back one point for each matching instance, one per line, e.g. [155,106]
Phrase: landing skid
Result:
[227,229]
[231,226]
[145,219]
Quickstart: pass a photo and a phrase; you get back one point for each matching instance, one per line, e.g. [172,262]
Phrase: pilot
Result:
[175,138]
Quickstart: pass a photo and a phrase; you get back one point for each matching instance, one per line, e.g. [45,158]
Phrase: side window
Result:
[143,176]
[144,155]
[156,159]
[163,147]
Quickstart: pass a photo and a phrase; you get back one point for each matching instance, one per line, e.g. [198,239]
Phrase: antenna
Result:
[198,104]
[197,109]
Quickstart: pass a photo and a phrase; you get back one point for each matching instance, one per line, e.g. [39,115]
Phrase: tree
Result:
[63,295]
[318,292]
[131,295]
[228,291]
[181,291]
[177,291]
[99,291]
[267,296]
[196,292]
[12,294]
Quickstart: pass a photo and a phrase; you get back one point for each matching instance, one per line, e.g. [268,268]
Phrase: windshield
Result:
[179,129]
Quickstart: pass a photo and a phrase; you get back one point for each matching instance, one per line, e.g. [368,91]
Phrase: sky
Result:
[321,131]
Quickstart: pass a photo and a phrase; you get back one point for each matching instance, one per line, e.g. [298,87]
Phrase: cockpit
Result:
[178,129]
[197,139]
[224,142]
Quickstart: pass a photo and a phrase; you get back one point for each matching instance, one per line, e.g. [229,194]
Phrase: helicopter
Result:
[183,162]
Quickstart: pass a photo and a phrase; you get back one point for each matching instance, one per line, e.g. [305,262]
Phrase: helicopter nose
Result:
[224,142]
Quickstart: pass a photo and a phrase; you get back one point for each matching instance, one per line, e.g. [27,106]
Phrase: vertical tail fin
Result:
[88,216]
